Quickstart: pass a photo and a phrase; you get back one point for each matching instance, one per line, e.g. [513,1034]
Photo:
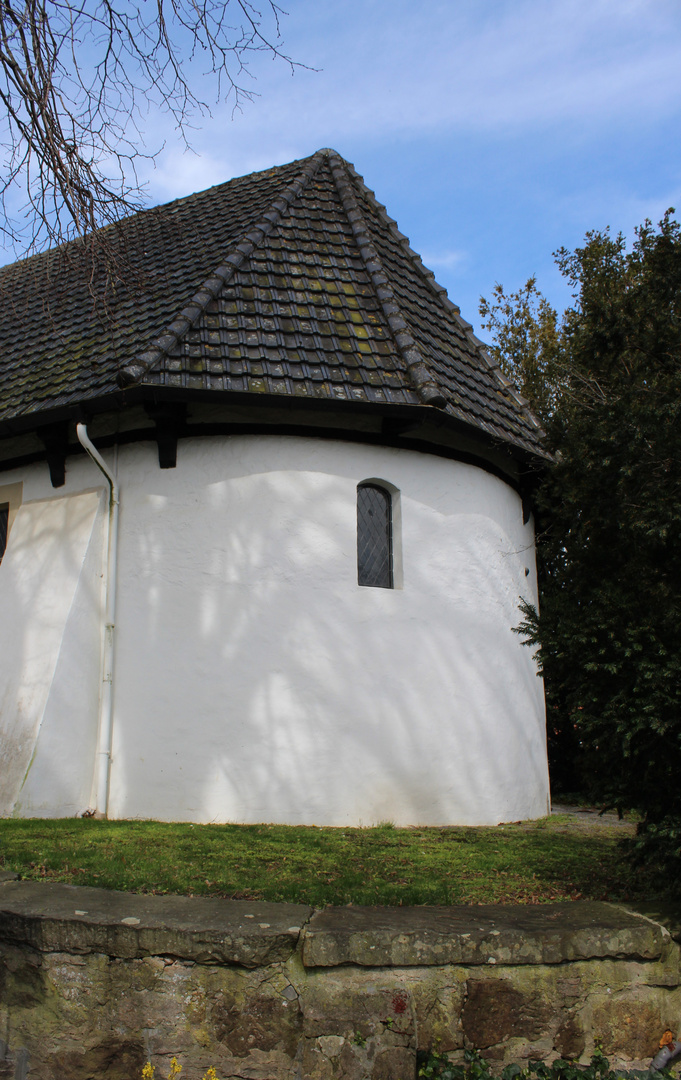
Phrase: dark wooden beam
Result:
[169,418]
[55,439]
[393,426]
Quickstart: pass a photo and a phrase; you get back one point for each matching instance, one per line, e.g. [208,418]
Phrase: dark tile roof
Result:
[291,282]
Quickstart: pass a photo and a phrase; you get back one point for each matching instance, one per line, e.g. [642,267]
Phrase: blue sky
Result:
[493,130]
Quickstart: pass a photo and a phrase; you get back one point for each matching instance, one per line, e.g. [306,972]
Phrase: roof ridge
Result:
[479,346]
[135,370]
[403,240]
[421,378]
[508,384]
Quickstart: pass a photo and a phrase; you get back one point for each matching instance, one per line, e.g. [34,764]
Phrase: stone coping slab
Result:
[78,919]
[489,934]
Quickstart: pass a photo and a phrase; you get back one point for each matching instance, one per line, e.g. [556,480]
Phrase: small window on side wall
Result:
[10,501]
[374,537]
[4,528]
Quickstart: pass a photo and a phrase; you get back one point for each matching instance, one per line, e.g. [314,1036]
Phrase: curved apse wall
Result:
[255,680]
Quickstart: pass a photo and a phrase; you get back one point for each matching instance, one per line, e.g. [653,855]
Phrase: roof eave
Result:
[435,426]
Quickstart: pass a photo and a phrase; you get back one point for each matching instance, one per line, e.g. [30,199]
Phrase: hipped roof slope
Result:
[292,282]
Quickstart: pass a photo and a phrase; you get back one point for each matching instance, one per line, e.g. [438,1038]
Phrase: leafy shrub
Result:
[433,1065]
[609,516]
[436,1066]
[657,848]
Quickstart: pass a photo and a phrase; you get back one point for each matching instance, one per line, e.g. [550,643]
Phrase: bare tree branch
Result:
[77,78]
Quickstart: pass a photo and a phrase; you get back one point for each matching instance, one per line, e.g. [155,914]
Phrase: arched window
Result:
[374,536]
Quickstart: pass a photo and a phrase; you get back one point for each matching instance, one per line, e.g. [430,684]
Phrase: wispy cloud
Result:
[469,64]
[443,259]
[401,69]
[496,130]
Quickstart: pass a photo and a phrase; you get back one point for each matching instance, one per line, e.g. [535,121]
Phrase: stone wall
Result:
[95,983]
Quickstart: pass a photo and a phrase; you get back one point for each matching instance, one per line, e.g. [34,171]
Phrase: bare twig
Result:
[76,80]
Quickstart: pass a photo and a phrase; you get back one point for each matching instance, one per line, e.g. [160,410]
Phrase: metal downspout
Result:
[105,727]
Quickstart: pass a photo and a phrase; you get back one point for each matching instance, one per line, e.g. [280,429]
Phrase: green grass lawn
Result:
[530,862]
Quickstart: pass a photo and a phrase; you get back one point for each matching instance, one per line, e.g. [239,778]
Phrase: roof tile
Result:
[293,281]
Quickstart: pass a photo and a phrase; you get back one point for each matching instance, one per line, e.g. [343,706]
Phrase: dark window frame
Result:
[375,543]
[4,528]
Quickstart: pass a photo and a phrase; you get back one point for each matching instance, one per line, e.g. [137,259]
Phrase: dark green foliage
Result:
[656,850]
[436,1066]
[609,514]
[527,344]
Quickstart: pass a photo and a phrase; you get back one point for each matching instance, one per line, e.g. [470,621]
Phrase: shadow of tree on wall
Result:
[255,681]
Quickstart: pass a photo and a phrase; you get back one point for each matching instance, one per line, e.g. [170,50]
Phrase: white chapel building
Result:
[265,524]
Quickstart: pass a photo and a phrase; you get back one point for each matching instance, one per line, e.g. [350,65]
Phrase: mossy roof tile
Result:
[291,281]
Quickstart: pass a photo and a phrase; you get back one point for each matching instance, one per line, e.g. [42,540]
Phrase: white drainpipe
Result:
[105,729]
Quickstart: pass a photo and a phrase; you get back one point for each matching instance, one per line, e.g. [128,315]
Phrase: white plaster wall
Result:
[256,681]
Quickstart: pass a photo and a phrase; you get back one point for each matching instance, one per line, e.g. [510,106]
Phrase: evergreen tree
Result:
[527,338]
[609,516]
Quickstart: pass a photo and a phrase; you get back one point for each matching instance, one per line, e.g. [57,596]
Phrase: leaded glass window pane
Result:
[4,521]
[374,537]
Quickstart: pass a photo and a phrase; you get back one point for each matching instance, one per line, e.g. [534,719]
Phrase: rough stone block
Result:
[543,934]
[496,1011]
[110,1059]
[362,1026]
[438,996]
[627,1025]
[570,1042]
[55,918]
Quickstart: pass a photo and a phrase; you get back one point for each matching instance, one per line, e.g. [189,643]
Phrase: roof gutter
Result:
[102,771]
